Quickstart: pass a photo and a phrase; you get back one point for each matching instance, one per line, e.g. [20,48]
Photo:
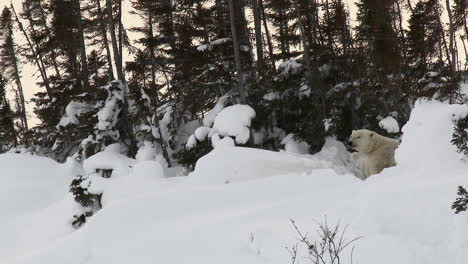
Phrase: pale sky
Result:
[29,76]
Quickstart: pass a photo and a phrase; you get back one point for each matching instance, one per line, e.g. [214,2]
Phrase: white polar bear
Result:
[375,152]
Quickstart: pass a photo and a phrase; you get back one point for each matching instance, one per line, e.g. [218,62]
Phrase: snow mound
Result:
[292,145]
[73,110]
[427,135]
[389,124]
[239,164]
[32,211]
[403,214]
[147,151]
[218,142]
[235,121]
[202,132]
[109,159]
[145,177]
[209,118]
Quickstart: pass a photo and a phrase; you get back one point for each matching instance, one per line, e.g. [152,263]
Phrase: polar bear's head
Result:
[363,140]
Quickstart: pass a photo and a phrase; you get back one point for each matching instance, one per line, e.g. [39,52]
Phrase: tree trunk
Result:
[52,51]
[235,44]
[313,79]
[444,41]
[105,39]
[402,32]
[466,52]
[111,25]
[121,38]
[169,23]
[37,57]
[20,88]
[221,19]
[268,36]
[84,60]
[258,37]
[329,35]
[452,36]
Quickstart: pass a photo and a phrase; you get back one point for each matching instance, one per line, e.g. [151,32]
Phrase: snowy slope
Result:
[235,207]
[33,196]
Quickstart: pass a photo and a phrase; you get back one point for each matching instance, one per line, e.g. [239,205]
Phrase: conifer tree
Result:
[376,33]
[8,137]
[423,35]
[9,61]
[35,12]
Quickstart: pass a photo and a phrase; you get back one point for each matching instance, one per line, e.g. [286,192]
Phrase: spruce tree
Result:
[423,35]
[8,138]
[9,62]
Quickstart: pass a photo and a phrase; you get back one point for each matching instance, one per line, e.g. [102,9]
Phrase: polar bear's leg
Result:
[359,160]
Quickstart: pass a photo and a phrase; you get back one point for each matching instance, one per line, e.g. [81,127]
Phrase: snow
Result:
[109,159]
[235,121]
[271,96]
[426,137]
[289,68]
[108,115]
[304,91]
[73,110]
[166,110]
[218,142]
[212,44]
[33,196]
[235,207]
[146,152]
[202,132]
[464,91]
[389,124]
[292,145]
[191,142]
[209,118]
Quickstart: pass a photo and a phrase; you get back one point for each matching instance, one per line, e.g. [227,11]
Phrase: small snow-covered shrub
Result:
[88,201]
[88,187]
[460,140]
[461,203]
[460,135]
[188,157]
[223,126]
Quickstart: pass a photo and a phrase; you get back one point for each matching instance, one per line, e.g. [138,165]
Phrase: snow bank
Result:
[235,121]
[403,214]
[145,177]
[427,135]
[32,205]
[109,159]
[238,164]
[292,145]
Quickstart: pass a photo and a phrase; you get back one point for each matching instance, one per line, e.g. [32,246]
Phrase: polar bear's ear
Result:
[371,134]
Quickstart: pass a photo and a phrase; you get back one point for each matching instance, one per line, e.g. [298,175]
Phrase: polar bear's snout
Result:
[352,142]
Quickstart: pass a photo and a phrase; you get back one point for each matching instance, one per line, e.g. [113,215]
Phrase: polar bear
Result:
[375,152]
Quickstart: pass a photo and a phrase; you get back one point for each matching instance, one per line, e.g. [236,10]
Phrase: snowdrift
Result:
[235,207]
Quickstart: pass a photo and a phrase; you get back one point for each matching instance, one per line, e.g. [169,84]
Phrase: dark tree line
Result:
[301,64]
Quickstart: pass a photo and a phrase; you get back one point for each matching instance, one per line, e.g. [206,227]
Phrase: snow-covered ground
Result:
[237,205]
